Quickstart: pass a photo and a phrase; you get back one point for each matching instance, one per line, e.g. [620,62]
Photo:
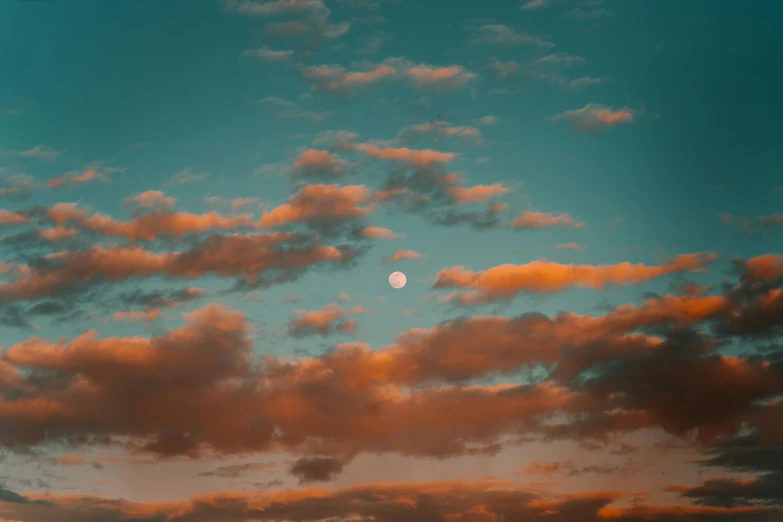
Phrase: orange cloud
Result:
[318,163]
[147,227]
[336,79]
[506,281]
[424,374]
[12,218]
[403,254]
[570,246]
[313,204]
[477,193]
[453,76]
[136,316]
[323,322]
[320,203]
[419,158]
[57,233]
[767,267]
[378,233]
[534,220]
[245,256]
[595,118]
[151,199]
[76,179]
[209,357]
[489,500]
[459,500]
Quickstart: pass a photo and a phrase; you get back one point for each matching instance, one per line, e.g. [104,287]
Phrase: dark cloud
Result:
[747,454]
[317,469]
[159,298]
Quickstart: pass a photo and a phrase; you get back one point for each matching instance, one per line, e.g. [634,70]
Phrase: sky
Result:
[201,202]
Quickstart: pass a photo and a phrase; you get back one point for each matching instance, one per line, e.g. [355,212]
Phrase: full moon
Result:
[397,280]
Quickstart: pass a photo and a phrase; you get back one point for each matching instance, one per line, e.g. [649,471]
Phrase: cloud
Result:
[8,217]
[335,79]
[226,412]
[477,193]
[765,268]
[160,298]
[609,374]
[273,8]
[268,54]
[769,221]
[388,502]
[318,164]
[560,58]
[136,316]
[317,469]
[452,77]
[586,14]
[316,205]
[402,155]
[76,178]
[570,246]
[151,225]
[586,81]
[322,322]
[233,204]
[535,220]
[487,121]
[150,199]
[285,109]
[506,281]
[425,502]
[14,184]
[438,130]
[378,233]
[402,254]
[254,258]
[549,69]
[504,35]
[485,219]
[237,470]
[310,19]
[185,177]
[595,118]
[536,4]
[568,469]
[320,205]
[747,454]
[503,70]
[57,233]
[41,152]
[77,459]
[421,157]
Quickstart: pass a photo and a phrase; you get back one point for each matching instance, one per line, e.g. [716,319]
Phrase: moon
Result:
[397,280]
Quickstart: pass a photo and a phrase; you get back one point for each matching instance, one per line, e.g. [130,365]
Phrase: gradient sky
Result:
[201,202]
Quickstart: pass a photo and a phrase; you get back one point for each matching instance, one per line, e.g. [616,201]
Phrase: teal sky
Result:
[629,132]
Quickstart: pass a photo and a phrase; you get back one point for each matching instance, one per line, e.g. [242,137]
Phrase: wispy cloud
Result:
[595,118]
[335,79]
[536,4]
[285,109]
[503,35]
[41,152]
[186,176]
[268,54]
